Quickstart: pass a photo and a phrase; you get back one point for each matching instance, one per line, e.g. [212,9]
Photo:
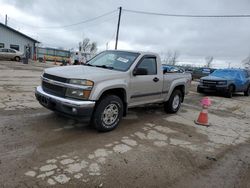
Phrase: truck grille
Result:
[54,89]
[209,83]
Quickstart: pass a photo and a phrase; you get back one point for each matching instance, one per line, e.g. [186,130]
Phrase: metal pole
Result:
[118,27]
[6,19]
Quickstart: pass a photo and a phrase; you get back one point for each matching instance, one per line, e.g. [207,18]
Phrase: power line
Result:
[70,25]
[85,27]
[99,22]
[189,15]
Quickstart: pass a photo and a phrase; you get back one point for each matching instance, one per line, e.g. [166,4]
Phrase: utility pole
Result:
[6,20]
[118,27]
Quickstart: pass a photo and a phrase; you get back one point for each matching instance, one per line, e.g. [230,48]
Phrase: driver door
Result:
[147,87]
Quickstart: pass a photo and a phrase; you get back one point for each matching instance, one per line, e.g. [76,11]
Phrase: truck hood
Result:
[84,72]
[213,78]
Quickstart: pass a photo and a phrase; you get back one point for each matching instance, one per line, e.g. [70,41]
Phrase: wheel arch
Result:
[121,93]
[234,86]
[182,89]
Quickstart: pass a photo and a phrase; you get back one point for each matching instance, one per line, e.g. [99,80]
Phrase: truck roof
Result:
[140,52]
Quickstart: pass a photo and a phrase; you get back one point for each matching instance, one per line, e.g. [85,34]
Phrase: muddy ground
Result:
[149,149]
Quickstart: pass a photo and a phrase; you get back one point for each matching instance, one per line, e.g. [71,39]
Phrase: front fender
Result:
[106,85]
[176,83]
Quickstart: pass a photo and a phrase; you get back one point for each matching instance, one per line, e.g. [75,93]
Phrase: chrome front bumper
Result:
[76,109]
[68,102]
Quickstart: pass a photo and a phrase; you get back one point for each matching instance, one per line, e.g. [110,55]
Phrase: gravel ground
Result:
[149,149]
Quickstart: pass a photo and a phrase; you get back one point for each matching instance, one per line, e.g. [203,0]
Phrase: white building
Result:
[11,38]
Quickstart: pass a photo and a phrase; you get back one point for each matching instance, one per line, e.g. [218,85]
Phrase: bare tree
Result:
[87,46]
[93,48]
[171,57]
[167,57]
[246,62]
[174,58]
[209,60]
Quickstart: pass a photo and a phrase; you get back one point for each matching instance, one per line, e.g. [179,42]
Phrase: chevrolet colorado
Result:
[102,90]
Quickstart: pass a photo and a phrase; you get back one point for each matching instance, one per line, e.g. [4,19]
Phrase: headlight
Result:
[222,83]
[81,82]
[201,81]
[79,93]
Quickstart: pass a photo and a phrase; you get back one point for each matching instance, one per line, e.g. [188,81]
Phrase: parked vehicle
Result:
[10,54]
[113,81]
[172,69]
[201,72]
[227,81]
[52,54]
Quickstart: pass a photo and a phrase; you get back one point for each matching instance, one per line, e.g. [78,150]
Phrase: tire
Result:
[174,102]
[17,58]
[102,118]
[199,90]
[229,93]
[247,92]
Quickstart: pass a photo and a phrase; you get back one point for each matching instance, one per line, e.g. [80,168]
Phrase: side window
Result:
[5,50]
[149,63]
[12,51]
[1,45]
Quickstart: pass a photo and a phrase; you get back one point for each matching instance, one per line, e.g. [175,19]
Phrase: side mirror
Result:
[140,71]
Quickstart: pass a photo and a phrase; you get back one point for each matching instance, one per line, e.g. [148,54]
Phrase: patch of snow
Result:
[62,178]
[30,173]
[129,142]
[66,161]
[121,148]
[48,167]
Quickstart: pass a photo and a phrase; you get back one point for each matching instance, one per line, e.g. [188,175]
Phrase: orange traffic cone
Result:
[203,118]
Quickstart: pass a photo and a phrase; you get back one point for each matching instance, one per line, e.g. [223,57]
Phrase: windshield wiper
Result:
[86,64]
[104,66]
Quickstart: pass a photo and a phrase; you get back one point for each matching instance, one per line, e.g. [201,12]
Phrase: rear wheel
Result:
[174,102]
[247,92]
[229,93]
[17,58]
[108,113]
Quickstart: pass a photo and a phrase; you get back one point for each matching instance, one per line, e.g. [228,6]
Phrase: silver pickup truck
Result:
[102,90]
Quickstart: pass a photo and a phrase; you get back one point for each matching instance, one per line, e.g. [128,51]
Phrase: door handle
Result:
[156,79]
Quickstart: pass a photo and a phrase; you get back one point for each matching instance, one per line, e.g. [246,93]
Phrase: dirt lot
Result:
[149,149]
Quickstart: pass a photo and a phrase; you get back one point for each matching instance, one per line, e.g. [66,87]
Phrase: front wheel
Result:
[108,113]
[174,102]
[229,93]
[247,92]
[199,90]
[17,58]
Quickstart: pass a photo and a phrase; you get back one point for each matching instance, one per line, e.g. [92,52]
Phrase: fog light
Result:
[74,110]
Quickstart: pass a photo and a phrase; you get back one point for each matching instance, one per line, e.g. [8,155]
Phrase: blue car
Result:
[226,81]
[172,69]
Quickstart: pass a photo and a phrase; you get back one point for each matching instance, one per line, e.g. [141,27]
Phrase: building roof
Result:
[26,36]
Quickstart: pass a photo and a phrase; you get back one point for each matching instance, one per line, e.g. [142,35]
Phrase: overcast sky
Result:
[227,39]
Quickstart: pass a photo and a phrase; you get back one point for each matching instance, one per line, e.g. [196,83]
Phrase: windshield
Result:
[117,60]
[225,73]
